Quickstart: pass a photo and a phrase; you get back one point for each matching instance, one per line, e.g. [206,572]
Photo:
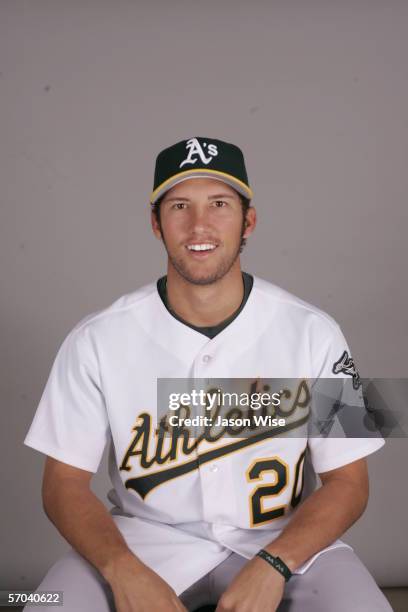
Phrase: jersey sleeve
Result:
[71,423]
[334,361]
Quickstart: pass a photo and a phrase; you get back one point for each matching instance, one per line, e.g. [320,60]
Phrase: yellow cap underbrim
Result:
[235,183]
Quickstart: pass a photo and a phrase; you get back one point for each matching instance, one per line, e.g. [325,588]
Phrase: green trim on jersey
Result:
[209,331]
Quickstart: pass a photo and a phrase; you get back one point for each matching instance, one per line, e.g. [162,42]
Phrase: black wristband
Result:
[276,562]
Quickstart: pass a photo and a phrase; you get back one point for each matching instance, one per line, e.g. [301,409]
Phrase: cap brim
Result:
[230,180]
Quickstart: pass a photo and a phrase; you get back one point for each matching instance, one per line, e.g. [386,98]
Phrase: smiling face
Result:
[202,225]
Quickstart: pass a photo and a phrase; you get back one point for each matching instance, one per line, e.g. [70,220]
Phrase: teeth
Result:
[201,247]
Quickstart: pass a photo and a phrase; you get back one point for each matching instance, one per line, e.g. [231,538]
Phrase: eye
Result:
[179,205]
[220,204]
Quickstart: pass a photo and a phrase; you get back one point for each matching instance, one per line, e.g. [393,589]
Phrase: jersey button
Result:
[207,358]
[214,468]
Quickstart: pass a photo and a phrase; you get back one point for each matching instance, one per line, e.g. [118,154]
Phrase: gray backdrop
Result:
[315,92]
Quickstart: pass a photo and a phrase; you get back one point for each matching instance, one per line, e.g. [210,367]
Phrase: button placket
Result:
[211,483]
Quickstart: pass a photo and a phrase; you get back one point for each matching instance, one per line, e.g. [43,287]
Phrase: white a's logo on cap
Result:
[194,149]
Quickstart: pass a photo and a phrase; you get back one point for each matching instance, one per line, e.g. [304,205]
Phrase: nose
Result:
[199,219]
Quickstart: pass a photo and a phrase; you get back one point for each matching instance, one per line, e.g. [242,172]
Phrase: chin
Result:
[200,278]
[202,273]
[196,276]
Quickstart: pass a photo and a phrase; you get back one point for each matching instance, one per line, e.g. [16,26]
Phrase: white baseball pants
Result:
[337,581]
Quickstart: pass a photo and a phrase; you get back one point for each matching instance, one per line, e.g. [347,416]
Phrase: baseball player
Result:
[232,520]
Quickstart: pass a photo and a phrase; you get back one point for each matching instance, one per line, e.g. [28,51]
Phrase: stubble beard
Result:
[222,269]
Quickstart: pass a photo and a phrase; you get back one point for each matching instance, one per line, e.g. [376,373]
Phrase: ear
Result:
[250,221]
[155,225]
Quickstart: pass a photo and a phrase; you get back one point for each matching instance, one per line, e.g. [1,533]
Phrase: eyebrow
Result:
[212,197]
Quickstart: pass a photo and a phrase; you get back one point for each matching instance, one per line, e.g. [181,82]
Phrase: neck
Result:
[205,305]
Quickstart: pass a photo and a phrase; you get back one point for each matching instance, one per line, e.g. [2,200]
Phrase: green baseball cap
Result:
[200,157]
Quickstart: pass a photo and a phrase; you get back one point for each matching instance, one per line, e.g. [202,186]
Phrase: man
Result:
[191,513]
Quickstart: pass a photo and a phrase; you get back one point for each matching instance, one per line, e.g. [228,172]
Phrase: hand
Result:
[258,587]
[137,588]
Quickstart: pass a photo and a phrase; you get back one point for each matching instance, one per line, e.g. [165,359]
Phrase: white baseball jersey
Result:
[181,508]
